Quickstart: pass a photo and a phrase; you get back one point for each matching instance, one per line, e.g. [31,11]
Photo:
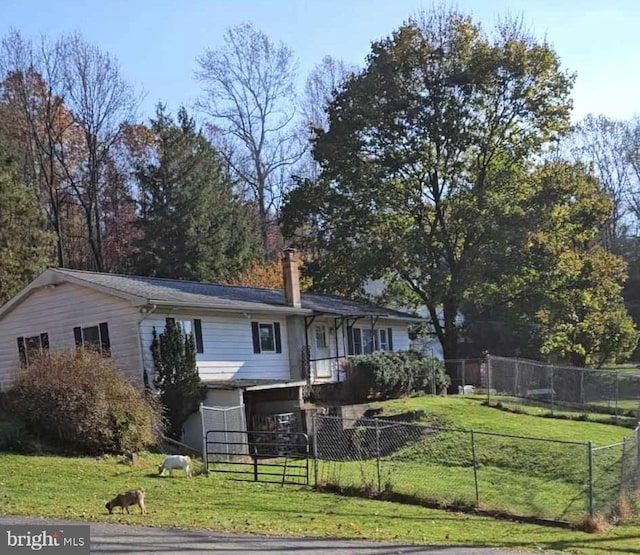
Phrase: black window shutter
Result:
[105,344]
[390,338]
[197,329]
[276,330]
[77,333]
[350,340]
[22,352]
[256,337]
[44,341]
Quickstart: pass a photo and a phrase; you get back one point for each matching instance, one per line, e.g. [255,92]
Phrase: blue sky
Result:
[157,41]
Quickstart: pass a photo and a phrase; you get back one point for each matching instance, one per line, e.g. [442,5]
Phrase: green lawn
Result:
[517,475]
[537,408]
[77,488]
[467,412]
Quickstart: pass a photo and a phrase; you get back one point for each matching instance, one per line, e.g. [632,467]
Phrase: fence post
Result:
[553,393]
[582,387]
[515,386]
[226,432]
[314,421]
[475,468]
[590,463]
[488,380]
[378,455]
[637,436]
[205,462]
[616,396]
[433,375]
[624,445]
[464,374]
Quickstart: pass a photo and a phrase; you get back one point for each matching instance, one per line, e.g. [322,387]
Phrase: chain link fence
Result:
[585,391]
[559,480]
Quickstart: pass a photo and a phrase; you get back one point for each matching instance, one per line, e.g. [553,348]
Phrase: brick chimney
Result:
[291,278]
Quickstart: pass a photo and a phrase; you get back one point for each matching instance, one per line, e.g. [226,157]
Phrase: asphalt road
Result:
[118,538]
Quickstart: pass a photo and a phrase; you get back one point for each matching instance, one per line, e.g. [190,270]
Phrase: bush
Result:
[384,375]
[82,403]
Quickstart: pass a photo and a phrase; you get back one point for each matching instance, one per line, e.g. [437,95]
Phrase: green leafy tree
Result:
[26,247]
[176,375]
[192,224]
[424,158]
[565,299]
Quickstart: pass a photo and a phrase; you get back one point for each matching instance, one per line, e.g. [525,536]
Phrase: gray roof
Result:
[173,292]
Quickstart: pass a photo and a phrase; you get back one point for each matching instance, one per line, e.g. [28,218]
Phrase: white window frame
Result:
[321,333]
[378,344]
[265,325]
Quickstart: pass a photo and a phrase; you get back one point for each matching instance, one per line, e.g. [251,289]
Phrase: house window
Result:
[266,337]
[366,340]
[30,347]
[192,326]
[94,337]
[321,337]
[383,343]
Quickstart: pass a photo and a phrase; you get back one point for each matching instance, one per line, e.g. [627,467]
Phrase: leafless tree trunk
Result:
[101,102]
[602,144]
[34,115]
[323,83]
[67,102]
[249,92]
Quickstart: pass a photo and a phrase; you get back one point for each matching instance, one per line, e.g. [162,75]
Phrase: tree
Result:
[25,243]
[176,375]
[66,103]
[101,102]
[322,84]
[36,122]
[565,302]
[425,152]
[249,92]
[192,225]
[267,275]
[603,144]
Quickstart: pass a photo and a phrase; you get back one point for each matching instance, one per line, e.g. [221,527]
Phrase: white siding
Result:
[228,346]
[56,311]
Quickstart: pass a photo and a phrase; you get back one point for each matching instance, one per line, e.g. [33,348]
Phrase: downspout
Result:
[145,380]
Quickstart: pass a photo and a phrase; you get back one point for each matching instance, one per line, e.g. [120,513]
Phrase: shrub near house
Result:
[388,375]
[80,402]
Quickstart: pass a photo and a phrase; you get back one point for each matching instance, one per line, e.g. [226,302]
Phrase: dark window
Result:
[266,337]
[366,340]
[31,347]
[94,337]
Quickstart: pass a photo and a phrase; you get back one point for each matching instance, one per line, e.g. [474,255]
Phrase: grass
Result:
[77,488]
[517,475]
[467,412]
[538,408]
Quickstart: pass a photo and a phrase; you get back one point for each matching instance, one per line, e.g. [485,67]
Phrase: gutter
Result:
[227,308]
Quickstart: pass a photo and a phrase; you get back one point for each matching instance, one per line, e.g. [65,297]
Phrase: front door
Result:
[322,352]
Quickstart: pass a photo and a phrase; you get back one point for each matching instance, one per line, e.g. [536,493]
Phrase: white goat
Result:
[176,461]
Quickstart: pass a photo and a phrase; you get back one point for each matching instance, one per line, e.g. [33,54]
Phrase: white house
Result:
[255,347]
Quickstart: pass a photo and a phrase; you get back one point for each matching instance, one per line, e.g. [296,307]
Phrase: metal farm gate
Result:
[258,456]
